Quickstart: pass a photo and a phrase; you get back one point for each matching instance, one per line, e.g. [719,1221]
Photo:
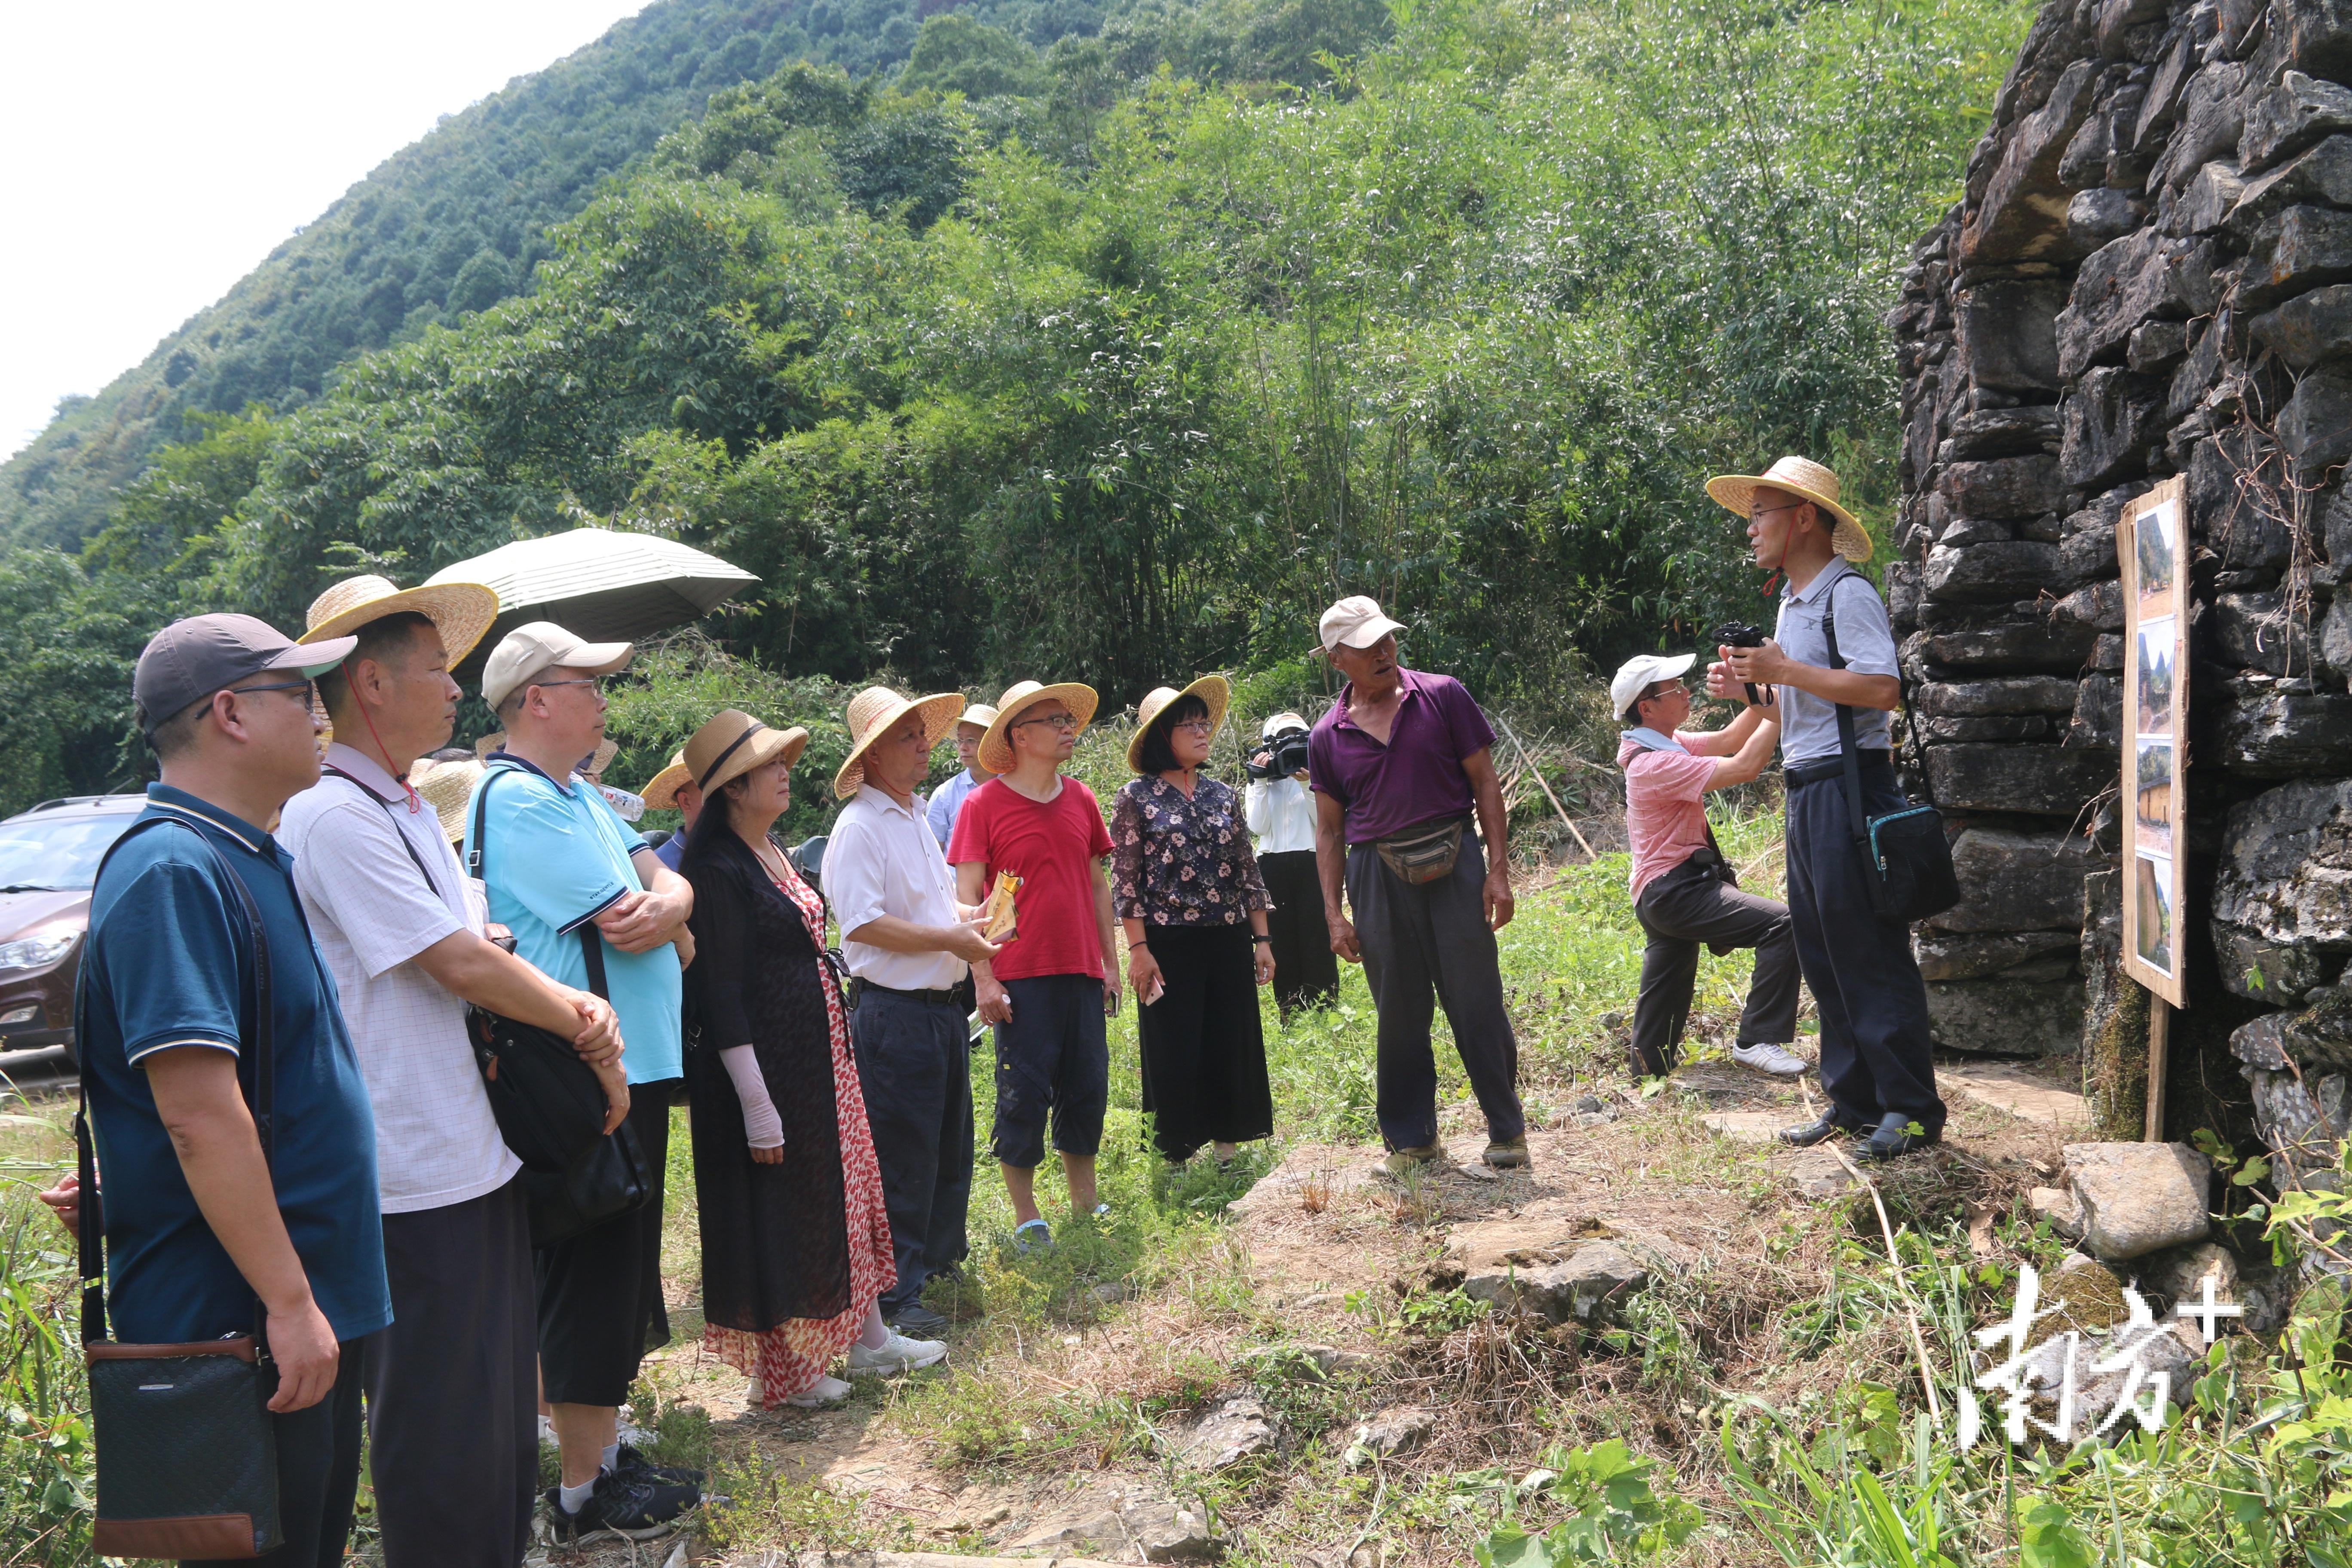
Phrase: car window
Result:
[62,852]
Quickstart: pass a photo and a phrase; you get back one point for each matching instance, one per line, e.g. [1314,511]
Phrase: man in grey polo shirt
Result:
[1877,1068]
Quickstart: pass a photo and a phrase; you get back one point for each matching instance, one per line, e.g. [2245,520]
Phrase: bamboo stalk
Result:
[1546,788]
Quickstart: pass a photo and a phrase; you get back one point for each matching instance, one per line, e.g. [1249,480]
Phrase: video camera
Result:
[1740,634]
[1288,756]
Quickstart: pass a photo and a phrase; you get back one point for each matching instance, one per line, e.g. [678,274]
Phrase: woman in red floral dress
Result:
[795,1240]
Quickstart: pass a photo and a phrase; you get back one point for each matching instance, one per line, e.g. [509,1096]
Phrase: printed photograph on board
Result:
[2152,889]
[2152,808]
[2153,534]
[2155,690]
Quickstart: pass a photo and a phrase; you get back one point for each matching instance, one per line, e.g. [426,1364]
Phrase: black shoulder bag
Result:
[187,1455]
[548,1104]
[1909,860]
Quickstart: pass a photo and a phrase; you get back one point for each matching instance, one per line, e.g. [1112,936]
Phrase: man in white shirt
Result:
[1280,809]
[910,945]
[451,1386]
[947,799]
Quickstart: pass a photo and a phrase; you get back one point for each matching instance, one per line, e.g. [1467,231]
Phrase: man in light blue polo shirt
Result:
[570,879]
[1877,1067]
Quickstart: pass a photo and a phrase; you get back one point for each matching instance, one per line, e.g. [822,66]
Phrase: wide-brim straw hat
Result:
[448,789]
[661,790]
[996,745]
[1213,689]
[732,744]
[979,713]
[602,758]
[495,741]
[876,711]
[1800,476]
[460,611]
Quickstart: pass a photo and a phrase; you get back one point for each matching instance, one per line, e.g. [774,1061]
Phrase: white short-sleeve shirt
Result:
[371,912]
[882,861]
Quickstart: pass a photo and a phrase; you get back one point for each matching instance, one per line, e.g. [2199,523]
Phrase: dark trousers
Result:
[1202,1043]
[914,1065]
[600,1292]
[1424,945]
[453,1385]
[1690,905]
[319,1471]
[1053,1059]
[1305,970]
[1875,1056]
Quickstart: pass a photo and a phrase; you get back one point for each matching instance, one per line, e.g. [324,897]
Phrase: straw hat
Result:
[602,758]
[876,711]
[1213,689]
[979,713]
[495,741]
[661,790]
[996,746]
[1801,477]
[448,789]
[460,611]
[733,743]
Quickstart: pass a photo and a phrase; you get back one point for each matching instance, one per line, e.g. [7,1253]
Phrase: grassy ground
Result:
[1763,1402]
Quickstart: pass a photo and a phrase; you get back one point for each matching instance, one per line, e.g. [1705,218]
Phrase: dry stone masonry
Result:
[2150,275]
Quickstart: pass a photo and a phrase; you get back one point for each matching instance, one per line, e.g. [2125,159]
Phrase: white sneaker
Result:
[825,1390]
[1771,1059]
[897,1353]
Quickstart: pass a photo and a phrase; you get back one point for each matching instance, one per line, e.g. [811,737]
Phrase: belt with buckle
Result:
[951,997]
[1832,767]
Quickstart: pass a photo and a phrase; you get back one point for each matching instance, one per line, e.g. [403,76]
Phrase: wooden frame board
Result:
[2152,547]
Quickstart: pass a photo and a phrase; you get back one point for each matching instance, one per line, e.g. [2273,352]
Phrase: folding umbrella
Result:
[602,585]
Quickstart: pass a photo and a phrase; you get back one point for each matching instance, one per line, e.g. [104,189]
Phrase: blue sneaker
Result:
[1031,1234]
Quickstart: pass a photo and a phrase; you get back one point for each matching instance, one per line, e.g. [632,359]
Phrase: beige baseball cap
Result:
[1638,674]
[1356,622]
[536,645]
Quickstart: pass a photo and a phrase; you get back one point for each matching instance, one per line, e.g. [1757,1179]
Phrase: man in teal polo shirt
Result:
[197,1225]
[568,877]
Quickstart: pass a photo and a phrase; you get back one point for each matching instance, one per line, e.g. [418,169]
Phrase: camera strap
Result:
[1847,749]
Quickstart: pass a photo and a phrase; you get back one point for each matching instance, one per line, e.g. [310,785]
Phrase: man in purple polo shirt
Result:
[1399,765]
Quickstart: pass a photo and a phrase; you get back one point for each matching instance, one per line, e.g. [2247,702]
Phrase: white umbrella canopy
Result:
[600,584]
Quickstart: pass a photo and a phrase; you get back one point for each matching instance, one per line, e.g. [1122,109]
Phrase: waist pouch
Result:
[1425,853]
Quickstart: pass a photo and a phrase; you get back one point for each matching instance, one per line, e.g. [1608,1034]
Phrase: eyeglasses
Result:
[1202,725]
[1761,513]
[1059,721]
[303,686]
[595,681]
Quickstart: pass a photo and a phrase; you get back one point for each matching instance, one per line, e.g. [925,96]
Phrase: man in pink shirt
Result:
[1682,886]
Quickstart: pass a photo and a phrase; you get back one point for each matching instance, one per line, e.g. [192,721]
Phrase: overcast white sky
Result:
[152,154]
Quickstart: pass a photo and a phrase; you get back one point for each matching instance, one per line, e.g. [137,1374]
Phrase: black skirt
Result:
[1204,1048]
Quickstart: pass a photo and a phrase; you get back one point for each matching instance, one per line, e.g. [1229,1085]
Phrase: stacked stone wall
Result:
[2150,275]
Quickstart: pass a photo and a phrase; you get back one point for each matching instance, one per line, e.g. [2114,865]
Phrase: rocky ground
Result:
[1293,1392]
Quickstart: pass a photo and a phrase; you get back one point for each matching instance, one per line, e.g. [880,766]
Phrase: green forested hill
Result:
[1116,359]
[451,223]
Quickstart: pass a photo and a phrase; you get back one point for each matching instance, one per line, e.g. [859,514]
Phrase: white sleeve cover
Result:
[763,1128]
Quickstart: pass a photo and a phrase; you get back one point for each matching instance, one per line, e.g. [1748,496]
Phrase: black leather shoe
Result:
[1893,1139]
[1813,1132]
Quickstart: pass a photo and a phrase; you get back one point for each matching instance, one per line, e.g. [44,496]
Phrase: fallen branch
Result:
[1510,736]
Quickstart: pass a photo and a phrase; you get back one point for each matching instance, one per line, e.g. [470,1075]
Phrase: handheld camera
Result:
[1740,634]
[1288,754]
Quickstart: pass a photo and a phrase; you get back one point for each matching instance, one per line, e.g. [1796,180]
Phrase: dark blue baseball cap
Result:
[189,661]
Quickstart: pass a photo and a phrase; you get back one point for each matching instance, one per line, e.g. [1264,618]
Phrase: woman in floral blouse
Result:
[1185,883]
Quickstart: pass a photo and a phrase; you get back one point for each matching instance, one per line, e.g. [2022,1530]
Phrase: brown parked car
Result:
[48,856]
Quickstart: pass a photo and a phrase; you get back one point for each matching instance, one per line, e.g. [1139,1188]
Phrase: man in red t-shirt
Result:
[1682,894]
[1058,978]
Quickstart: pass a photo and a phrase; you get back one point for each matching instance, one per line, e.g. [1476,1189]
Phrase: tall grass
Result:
[44,1440]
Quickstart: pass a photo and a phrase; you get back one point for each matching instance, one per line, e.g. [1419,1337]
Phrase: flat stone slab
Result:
[2016,1091]
[1749,1126]
[1817,1173]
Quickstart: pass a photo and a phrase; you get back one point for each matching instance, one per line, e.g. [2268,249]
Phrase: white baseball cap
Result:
[1637,675]
[538,645]
[1356,622]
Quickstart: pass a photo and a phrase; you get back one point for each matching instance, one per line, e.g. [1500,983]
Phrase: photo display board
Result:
[2152,543]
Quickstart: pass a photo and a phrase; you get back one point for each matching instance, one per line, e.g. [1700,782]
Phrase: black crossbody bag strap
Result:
[396,833]
[1847,749]
[91,1228]
[591,943]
